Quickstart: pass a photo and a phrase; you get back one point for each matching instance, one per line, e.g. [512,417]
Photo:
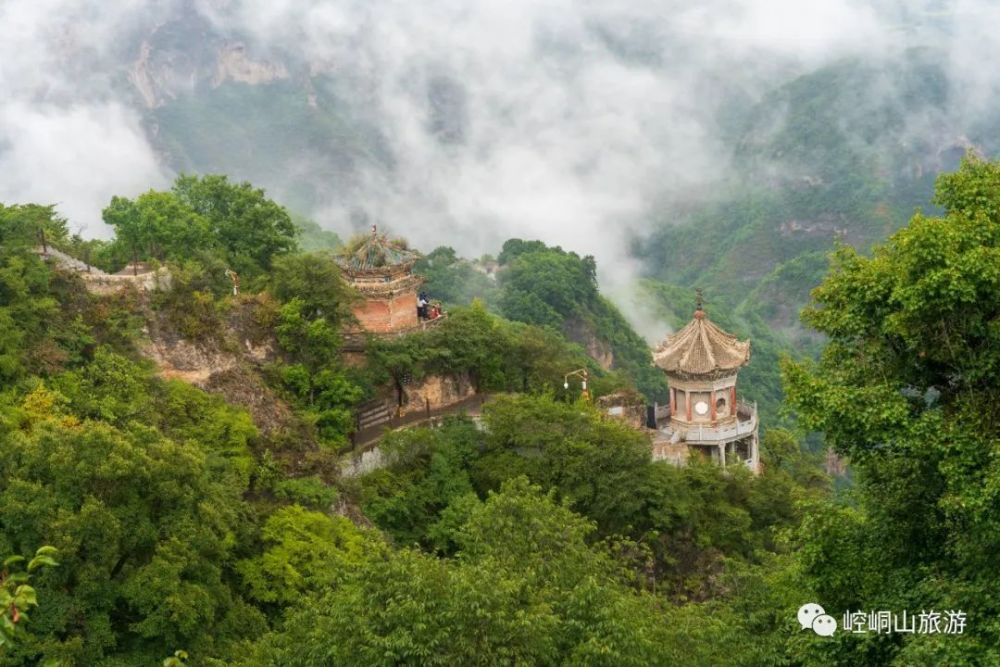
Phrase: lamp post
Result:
[583,375]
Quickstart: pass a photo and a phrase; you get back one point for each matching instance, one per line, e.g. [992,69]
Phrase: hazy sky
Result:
[550,119]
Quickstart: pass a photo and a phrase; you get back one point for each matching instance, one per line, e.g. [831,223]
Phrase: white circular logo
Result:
[824,625]
[812,615]
[701,407]
[808,613]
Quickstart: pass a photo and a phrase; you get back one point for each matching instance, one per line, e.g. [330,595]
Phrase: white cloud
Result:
[568,118]
[75,156]
[65,138]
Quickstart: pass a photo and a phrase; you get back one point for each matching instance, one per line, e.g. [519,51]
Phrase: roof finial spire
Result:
[374,230]
[698,301]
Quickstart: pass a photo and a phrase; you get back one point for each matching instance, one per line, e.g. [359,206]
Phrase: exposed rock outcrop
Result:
[233,64]
[435,391]
[165,68]
[598,349]
[228,364]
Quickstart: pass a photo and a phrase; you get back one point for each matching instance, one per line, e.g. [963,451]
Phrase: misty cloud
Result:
[77,157]
[572,116]
[66,136]
[560,120]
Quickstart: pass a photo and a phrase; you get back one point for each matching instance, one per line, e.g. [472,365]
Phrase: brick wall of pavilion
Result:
[384,315]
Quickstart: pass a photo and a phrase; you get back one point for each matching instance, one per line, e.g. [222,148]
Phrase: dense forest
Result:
[145,521]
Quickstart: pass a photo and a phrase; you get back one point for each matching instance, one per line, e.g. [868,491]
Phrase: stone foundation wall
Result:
[109,284]
[673,453]
[438,391]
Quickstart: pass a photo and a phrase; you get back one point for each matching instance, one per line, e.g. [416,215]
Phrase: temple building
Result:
[381,270]
[705,415]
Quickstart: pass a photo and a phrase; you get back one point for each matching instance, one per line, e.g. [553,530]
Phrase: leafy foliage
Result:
[304,551]
[39,334]
[686,519]
[525,588]
[143,523]
[236,223]
[314,238]
[907,388]
[250,227]
[541,533]
[453,280]
[550,287]
[494,353]
[17,595]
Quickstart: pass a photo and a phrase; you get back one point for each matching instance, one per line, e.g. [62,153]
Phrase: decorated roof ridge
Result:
[701,348]
[376,251]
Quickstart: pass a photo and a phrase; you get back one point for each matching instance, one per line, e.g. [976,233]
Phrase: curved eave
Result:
[377,271]
[701,349]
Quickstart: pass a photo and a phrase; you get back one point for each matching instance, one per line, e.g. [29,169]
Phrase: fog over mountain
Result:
[450,122]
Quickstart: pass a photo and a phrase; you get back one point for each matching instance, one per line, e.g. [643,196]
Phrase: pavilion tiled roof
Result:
[701,348]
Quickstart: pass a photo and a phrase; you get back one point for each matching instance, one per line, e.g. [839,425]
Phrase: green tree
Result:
[550,287]
[25,225]
[252,228]
[312,237]
[304,552]
[537,358]
[469,341]
[594,463]
[525,588]
[157,225]
[17,596]
[315,279]
[452,280]
[307,337]
[178,659]
[201,218]
[907,388]
[40,332]
[145,526]
[429,471]
[678,525]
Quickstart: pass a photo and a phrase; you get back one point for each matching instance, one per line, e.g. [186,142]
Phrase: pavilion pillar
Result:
[712,406]
[673,401]
[687,400]
[732,402]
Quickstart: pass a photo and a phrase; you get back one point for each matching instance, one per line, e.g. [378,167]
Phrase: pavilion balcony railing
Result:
[746,423]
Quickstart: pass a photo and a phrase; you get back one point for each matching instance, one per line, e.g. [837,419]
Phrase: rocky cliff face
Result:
[186,53]
[228,365]
[233,64]
[598,349]
[436,392]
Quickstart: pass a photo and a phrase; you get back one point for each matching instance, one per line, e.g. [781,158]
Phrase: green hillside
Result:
[303,138]
[829,158]
[160,523]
